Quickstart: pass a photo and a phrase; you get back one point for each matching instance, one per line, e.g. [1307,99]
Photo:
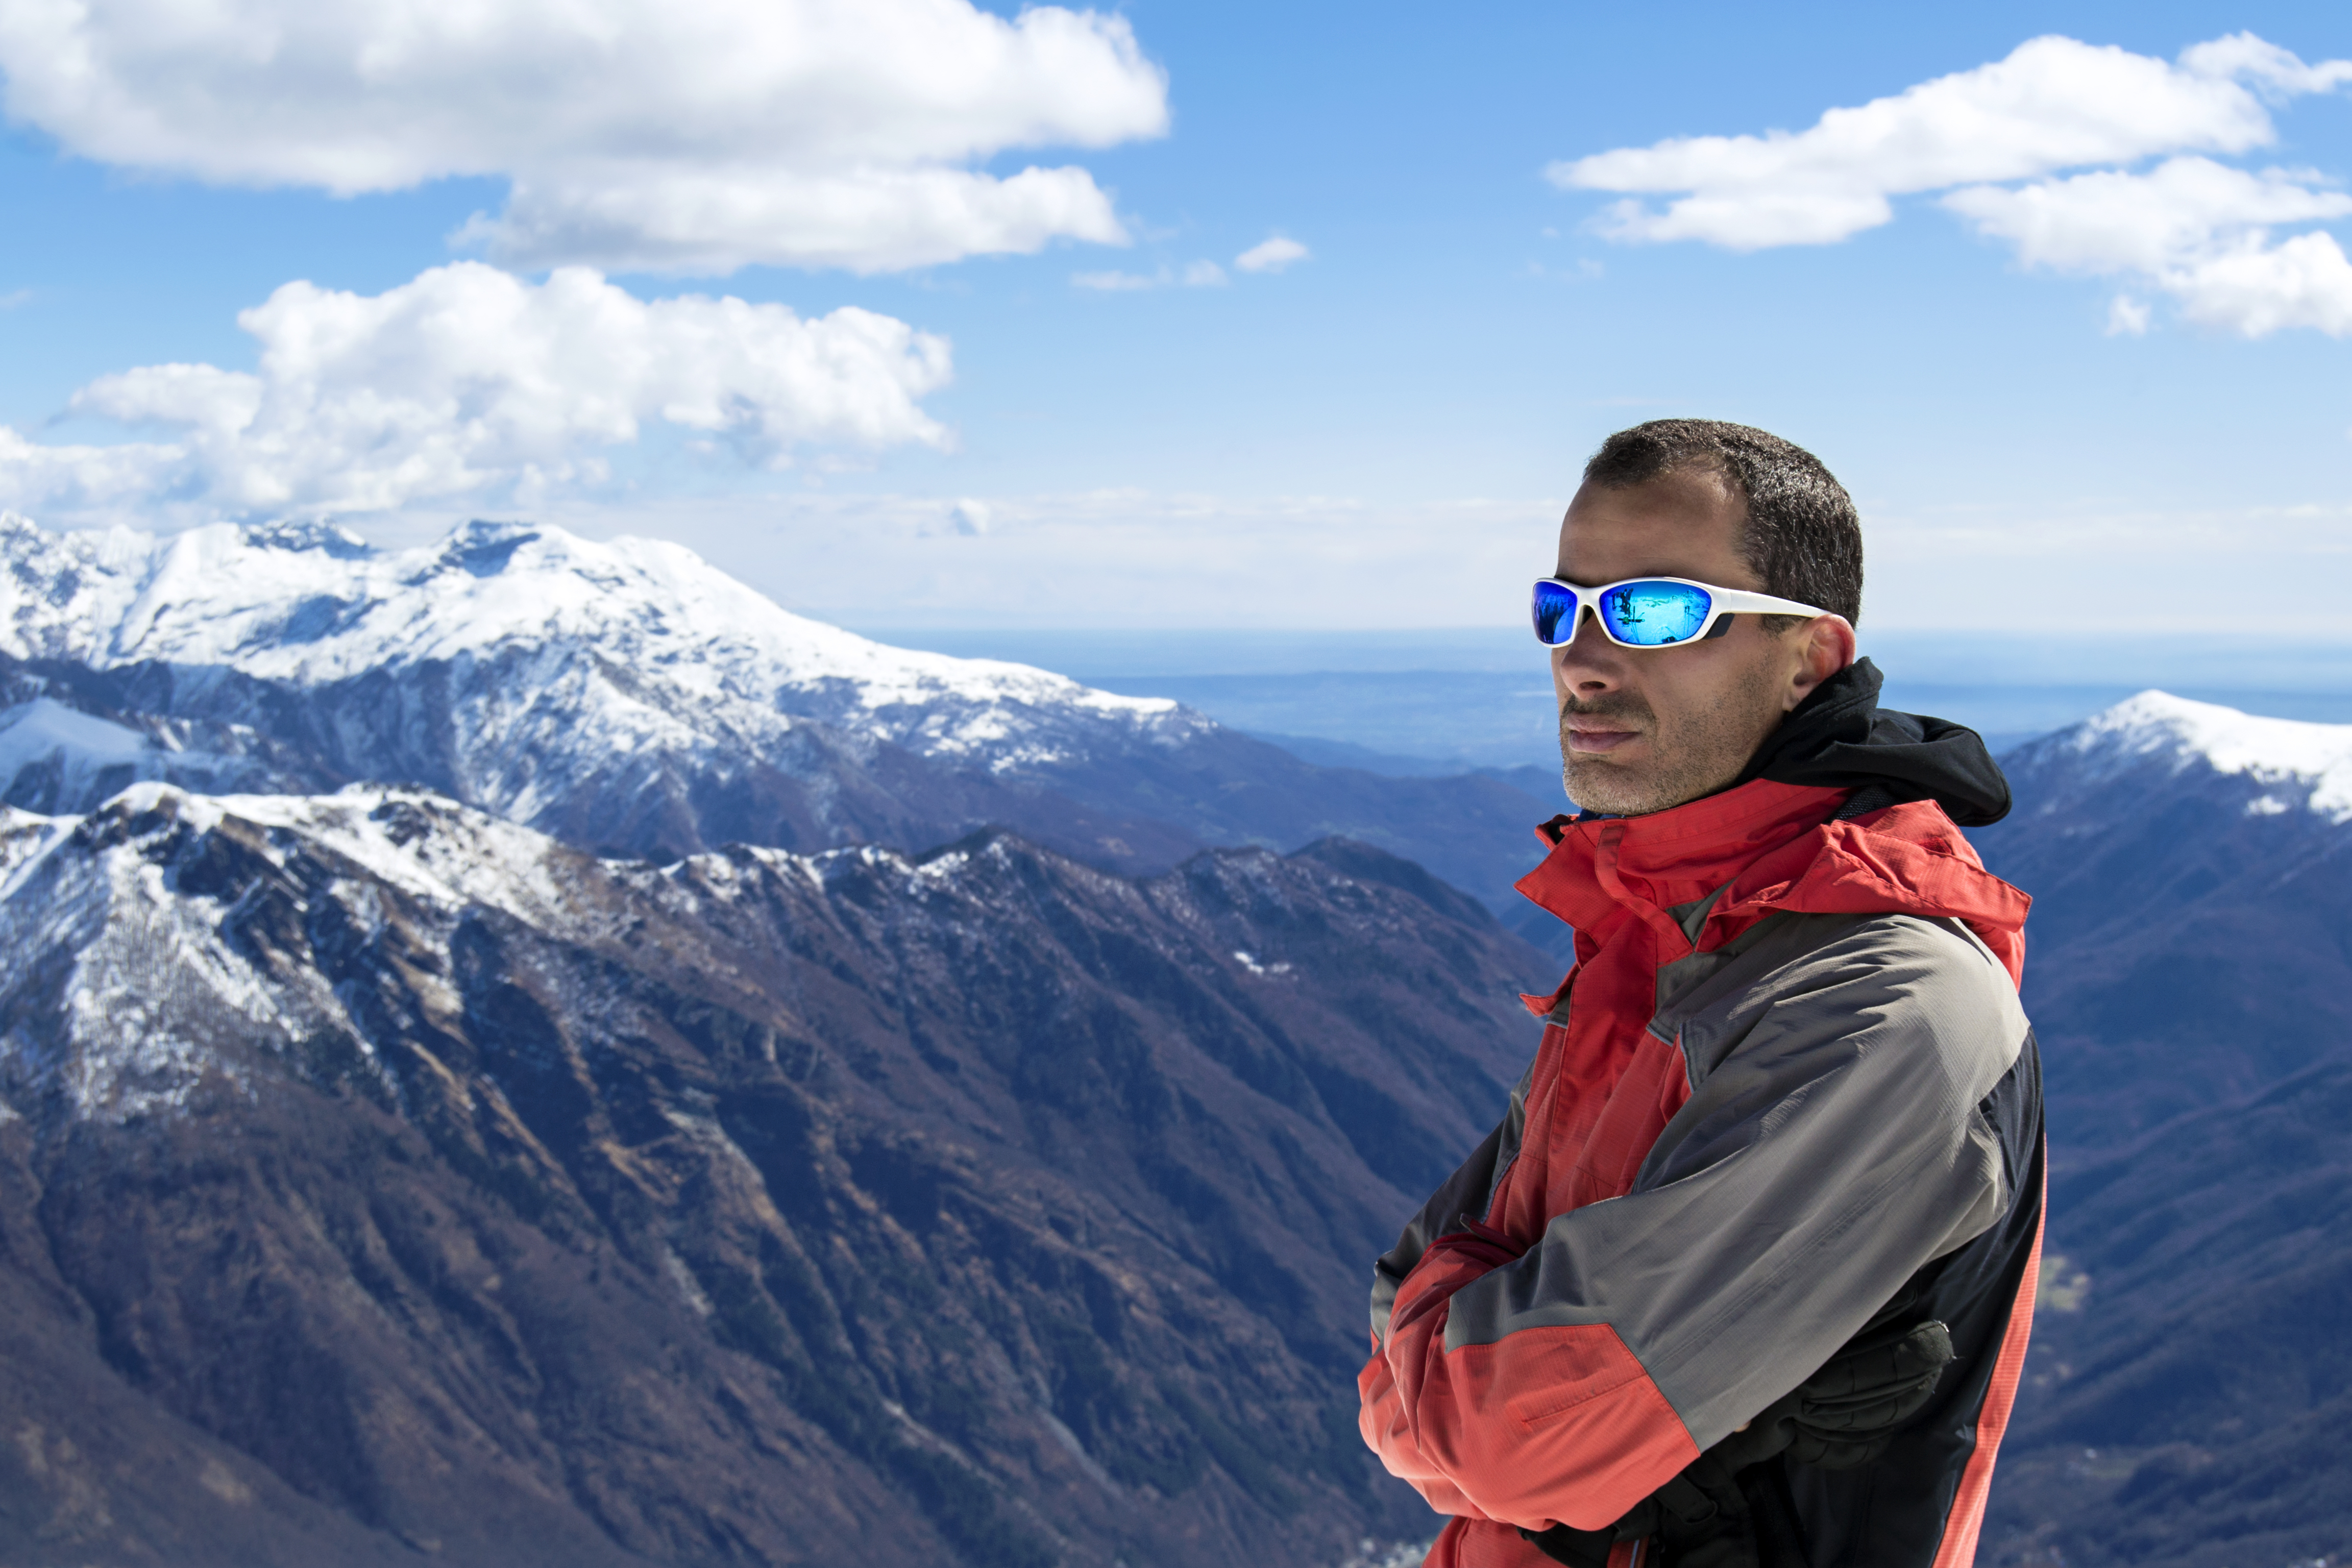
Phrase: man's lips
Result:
[1583,739]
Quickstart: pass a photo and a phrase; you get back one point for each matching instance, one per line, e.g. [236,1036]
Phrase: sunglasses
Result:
[1651,612]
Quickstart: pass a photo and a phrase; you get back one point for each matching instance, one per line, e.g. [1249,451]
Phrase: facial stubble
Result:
[1692,754]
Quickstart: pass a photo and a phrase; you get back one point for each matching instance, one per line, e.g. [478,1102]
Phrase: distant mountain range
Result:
[2189,971]
[627,697]
[521,1051]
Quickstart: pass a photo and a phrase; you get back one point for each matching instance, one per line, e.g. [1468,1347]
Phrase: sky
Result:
[918,314]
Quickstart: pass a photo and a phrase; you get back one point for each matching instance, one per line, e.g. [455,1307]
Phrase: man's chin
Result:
[1598,784]
[1615,789]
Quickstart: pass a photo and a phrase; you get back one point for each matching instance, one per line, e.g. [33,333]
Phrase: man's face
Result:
[1642,729]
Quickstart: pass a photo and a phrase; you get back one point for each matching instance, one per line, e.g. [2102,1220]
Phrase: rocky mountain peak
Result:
[629,698]
[311,604]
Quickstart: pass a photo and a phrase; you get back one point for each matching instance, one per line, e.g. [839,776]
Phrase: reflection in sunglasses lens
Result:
[1654,615]
[1553,603]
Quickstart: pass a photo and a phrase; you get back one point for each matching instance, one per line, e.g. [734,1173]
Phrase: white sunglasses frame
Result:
[1721,602]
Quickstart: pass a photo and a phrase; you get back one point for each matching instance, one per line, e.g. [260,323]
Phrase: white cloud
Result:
[468,381]
[1271,254]
[2258,288]
[2244,55]
[1195,275]
[969,517]
[2110,221]
[2198,231]
[689,136]
[2195,229]
[2053,103]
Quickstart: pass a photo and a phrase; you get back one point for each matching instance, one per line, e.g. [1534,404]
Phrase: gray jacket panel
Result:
[1833,1144]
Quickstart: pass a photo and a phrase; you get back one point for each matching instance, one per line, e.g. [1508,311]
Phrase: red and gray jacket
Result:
[1788,1085]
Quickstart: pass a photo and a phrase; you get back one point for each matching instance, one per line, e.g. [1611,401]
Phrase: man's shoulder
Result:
[1845,982]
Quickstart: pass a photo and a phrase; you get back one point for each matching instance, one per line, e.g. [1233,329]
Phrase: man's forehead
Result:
[1682,524]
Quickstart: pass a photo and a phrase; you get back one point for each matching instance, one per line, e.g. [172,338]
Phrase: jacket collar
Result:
[1600,865]
[1770,847]
[1840,737]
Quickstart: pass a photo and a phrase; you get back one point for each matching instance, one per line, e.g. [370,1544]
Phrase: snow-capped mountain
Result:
[2288,765]
[627,696]
[2188,865]
[383,1176]
[689,654]
[380,1177]
[2189,969]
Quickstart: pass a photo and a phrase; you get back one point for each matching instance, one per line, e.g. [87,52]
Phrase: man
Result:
[1744,1275]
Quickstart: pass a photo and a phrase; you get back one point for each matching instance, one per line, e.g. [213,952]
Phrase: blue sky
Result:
[1379,433]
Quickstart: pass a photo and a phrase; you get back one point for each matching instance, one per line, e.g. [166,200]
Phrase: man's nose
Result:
[1588,662]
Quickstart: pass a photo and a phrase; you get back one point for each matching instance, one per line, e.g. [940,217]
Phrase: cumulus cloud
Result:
[1271,254]
[467,380]
[2110,221]
[1994,140]
[690,137]
[2258,288]
[2243,55]
[2196,230]
[2054,103]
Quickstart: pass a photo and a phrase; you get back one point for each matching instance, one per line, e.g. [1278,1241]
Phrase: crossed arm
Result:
[1831,1147]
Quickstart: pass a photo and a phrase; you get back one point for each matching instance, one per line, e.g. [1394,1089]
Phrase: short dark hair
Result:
[1802,538]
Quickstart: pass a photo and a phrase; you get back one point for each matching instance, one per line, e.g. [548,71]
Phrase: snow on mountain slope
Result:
[2186,863]
[394,1142]
[312,606]
[161,985]
[629,698]
[165,982]
[37,732]
[2298,763]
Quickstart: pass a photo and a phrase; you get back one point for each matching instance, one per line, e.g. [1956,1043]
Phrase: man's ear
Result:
[1826,645]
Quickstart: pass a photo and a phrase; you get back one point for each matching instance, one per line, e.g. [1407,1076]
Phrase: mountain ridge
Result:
[632,699]
[316,604]
[752,1207]
[2190,975]
[503,1118]
[2186,940]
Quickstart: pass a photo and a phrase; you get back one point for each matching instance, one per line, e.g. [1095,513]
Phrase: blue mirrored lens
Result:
[1654,613]
[1555,609]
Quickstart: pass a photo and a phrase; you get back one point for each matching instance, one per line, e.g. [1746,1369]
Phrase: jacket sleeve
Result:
[1470,1190]
[1831,1146]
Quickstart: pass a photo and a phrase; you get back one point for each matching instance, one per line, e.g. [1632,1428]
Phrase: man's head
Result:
[1643,729]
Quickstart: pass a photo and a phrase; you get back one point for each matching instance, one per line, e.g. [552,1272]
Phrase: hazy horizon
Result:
[1477,697]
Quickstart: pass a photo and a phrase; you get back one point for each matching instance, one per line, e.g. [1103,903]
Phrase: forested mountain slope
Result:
[378,1176]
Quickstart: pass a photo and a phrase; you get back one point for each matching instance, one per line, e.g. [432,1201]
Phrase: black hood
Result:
[1840,738]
